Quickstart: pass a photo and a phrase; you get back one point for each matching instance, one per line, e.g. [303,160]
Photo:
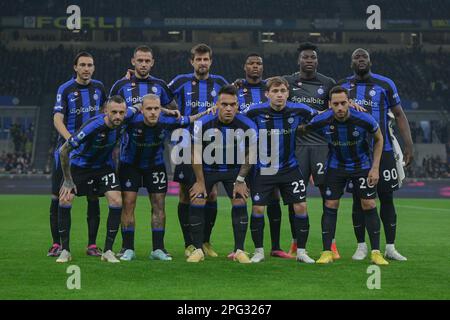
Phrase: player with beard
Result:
[379,95]
[196,92]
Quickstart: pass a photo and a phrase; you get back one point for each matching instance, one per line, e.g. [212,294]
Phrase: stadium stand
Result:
[405,9]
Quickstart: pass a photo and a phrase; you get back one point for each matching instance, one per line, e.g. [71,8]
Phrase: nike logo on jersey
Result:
[72,100]
[189,93]
[301,198]
[370,194]
[264,120]
[295,89]
[115,186]
[160,188]
[241,95]
[394,185]
[132,88]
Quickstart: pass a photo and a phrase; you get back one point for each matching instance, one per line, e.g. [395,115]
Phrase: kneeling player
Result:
[233,134]
[91,172]
[142,165]
[349,159]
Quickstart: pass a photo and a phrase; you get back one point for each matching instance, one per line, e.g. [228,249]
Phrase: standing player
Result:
[280,119]
[252,91]
[91,171]
[310,87]
[77,100]
[142,165]
[379,95]
[346,131]
[195,92]
[233,135]
[133,87]
[139,82]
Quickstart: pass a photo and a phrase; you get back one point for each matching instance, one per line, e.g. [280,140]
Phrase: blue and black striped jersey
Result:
[250,94]
[93,144]
[194,96]
[377,94]
[228,143]
[347,141]
[78,103]
[143,145]
[133,89]
[283,124]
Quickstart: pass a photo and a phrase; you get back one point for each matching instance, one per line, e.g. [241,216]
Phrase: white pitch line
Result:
[424,208]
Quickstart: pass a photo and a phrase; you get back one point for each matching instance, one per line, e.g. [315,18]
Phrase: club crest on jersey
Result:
[213,93]
[291,120]
[267,116]
[350,185]
[320,90]
[95,96]
[328,192]
[133,84]
[194,83]
[355,133]
[75,93]
[245,90]
[139,131]
[102,135]
[299,84]
[331,127]
[256,197]
[81,135]
[58,97]
[181,175]
[154,90]
[128,183]
[372,93]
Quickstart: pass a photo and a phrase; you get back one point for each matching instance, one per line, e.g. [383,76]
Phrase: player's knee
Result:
[332,204]
[238,202]
[66,202]
[300,207]
[199,202]
[212,196]
[158,204]
[368,204]
[258,209]
[115,201]
[129,204]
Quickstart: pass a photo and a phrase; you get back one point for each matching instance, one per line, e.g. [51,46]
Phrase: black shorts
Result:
[312,160]
[57,175]
[289,181]
[227,178]
[94,181]
[184,174]
[388,174]
[336,181]
[132,178]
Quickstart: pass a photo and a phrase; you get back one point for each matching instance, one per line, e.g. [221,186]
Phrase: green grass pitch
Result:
[26,272]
